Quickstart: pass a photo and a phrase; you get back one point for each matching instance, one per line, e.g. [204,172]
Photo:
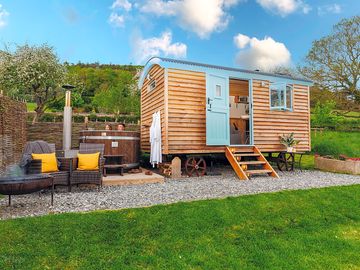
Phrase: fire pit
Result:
[25,184]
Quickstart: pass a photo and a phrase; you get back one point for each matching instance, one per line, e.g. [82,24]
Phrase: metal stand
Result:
[52,192]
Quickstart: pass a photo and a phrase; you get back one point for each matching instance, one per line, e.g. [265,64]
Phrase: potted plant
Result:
[289,141]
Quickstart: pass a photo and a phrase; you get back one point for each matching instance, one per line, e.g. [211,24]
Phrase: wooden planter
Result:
[340,166]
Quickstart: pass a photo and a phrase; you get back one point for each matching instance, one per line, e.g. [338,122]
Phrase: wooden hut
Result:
[213,109]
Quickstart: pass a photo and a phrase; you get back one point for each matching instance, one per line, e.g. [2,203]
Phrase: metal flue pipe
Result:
[67,121]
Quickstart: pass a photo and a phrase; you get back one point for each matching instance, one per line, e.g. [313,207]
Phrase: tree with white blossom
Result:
[32,71]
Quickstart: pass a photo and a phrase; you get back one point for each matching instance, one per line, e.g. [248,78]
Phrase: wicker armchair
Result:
[88,177]
[33,166]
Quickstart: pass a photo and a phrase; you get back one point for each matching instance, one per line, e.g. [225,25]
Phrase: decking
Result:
[132,179]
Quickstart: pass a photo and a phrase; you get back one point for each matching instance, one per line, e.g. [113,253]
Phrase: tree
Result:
[333,62]
[77,101]
[122,97]
[32,71]
[285,71]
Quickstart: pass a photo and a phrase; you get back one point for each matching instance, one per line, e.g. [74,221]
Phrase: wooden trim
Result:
[166,111]
[309,118]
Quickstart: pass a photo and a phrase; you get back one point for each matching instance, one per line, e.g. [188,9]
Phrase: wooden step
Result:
[232,153]
[247,155]
[258,171]
[242,149]
[252,162]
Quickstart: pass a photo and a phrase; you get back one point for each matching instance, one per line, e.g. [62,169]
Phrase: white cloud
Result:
[284,7]
[241,41]
[157,46]
[264,54]
[122,4]
[201,16]
[116,20]
[160,7]
[230,3]
[3,16]
[332,8]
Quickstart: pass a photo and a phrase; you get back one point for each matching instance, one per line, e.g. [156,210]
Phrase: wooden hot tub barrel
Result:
[126,143]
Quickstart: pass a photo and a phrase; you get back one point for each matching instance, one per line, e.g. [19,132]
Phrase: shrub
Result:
[50,117]
[78,118]
[327,148]
[322,115]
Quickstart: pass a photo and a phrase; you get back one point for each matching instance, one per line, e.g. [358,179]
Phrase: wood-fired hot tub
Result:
[126,143]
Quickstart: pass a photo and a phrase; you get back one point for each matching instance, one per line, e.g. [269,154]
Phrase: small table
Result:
[114,162]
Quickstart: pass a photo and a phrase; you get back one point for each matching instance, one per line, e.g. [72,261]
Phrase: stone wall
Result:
[51,132]
[338,166]
[12,131]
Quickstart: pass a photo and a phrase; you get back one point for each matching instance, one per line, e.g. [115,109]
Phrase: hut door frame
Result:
[250,103]
[217,110]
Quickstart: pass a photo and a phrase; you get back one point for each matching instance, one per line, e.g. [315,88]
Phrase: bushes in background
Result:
[323,116]
[56,117]
[335,143]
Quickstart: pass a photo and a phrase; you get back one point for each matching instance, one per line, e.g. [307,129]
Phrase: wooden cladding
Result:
[180,95]
[152,100]
[270,124]
[187,115]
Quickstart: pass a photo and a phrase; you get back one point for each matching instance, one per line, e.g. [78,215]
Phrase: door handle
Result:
[209,100]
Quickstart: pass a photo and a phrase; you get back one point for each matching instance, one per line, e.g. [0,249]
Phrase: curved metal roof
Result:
[158,60]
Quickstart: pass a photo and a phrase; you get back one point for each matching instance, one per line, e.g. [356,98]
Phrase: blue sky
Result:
[241,33]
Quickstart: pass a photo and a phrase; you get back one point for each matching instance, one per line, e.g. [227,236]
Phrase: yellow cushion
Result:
[48,162]
[88,162]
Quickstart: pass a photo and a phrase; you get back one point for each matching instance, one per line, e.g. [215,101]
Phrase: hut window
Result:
[281,96]
[152,85]
[218,91]
[288,97]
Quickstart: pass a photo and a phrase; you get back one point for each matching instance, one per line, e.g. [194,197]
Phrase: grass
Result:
[336,142]
[30,106]
[332,143]
[308,229]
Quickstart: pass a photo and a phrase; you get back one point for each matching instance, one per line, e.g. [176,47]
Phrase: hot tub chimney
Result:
[67,121]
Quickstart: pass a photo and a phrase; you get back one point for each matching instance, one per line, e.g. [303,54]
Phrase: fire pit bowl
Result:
[25,184]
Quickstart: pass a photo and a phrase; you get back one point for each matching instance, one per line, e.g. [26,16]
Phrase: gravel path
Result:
[185,189]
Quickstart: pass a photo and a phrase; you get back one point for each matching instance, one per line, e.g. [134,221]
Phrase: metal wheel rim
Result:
[195,165]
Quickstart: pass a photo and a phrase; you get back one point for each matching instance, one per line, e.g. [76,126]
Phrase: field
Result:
[31,106]
[332,143]
[336,143]
[308,229]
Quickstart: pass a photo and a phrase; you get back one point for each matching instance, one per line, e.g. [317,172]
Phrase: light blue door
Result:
[217,110]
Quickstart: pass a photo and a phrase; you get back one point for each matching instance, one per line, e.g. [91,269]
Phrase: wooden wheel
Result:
[285,162]
[195,166]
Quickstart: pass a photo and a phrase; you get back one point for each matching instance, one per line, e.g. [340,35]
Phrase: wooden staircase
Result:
[247,161]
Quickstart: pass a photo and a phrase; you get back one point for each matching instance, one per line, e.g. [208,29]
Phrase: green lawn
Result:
[332,143]
[336,142]
[311,229]
[31,106]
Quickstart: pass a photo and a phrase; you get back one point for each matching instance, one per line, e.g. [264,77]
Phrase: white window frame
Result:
[152,85]
[284,88]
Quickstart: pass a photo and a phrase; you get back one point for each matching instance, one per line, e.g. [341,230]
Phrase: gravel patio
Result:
[184,189]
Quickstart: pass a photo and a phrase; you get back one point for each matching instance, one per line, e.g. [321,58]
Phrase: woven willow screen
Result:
[12,131]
